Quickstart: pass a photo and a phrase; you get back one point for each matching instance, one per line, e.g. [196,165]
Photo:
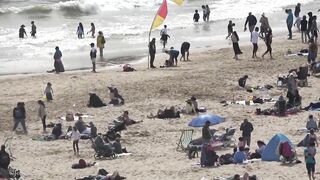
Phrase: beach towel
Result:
[76,118]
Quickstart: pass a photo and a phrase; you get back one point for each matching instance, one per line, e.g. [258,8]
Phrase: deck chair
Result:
[185,139]
[8,143]
[228,138]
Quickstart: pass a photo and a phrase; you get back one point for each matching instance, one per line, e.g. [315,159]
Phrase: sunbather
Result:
[312,123]
[115,97]
[125,118]
[312,106]
[57,131]
[166,113]
[82,164]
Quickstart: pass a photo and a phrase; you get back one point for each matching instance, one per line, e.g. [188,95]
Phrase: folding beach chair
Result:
[185,139]
[8,143]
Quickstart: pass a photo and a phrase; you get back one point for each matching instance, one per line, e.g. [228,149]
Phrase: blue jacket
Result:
[239,157]
[290,19]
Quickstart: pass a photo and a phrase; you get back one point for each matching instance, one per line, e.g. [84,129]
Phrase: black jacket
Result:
[252,20]
[246,129]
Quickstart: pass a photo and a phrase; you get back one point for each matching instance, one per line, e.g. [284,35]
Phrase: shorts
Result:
[310,167]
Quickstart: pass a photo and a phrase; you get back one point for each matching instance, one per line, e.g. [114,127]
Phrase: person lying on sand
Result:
[166,113]
[125,118]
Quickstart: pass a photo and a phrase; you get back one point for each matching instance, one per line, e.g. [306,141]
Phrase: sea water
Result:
[125,24]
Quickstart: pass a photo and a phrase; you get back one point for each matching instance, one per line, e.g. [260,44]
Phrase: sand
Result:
[211,76]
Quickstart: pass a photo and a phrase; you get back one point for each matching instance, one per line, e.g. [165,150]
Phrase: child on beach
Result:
[49,92]
[230,29]
[42,114]
[75,136]
[196,16]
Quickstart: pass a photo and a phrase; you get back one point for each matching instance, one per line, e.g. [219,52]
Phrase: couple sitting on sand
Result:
[166,113]
[115,98]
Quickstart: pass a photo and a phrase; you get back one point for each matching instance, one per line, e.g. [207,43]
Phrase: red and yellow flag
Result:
[161,15]
[179,2]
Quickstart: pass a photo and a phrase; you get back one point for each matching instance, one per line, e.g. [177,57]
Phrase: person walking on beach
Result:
[196,16]
[230,29]
[268,41]
[19,116]
[22,31]
[314,29]
[92,30]
[42,114]
[204,10]
[48,92]
[100,43]
[33,29]
[246,128]
[251,21]
[254,41]
[264,25]
[235,43]
[152,51]
[297,10]
[309,156]
[58,66]
[304,29]
[164,36]
[93,56]
[208,12]
[80,31]
[185,46]
[289,22]
[75,136]
[310,24]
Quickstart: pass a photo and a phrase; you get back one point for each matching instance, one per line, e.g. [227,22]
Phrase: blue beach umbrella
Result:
[201,120]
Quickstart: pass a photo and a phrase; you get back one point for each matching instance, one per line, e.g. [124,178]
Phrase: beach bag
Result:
[69,116]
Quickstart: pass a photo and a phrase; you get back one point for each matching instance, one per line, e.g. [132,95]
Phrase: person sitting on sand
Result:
[239,157]
[93,129]
[242,81]
[117,147]
[125,118]
[57,131]
[95,101]
[241,142]
[192,106]
[259,151]
[100,144]
[116,98]
[166,113]
[312,123]
[280,106]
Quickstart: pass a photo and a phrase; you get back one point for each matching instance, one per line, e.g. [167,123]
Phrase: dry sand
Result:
[211,76]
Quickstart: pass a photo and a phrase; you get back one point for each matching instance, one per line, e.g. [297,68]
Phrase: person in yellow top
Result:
[100,43]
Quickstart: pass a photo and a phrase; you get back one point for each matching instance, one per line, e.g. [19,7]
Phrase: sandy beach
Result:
[211,76]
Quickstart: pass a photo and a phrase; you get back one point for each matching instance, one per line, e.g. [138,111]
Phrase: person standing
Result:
[309,156]
[92,30]
[185,46]
[289,22]
[93,56]
[230,29]
[58,66]
[309,24]
[268,41]
[298,23]
[75,136]
[297,10]
[208,12]
[235,43]
[22,31]
[80,31]
[48,92]
[314,29]
[304,29]
[313,51]
[164,36]
[246,128]
[196,16]
[254,41]
[204,10]
[152,51]
[100,43]
[251,21]
[19,116]
[206,138]
[33,29]
[264,25]
[42,114]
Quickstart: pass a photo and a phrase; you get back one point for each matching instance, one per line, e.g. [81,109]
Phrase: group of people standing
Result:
[205,16]
[80,31]
[22,31]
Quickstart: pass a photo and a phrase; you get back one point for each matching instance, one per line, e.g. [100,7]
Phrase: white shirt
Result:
[163,31]
[75,135]
[254,37]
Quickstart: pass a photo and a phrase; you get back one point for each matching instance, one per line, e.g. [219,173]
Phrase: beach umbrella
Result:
[201,120]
